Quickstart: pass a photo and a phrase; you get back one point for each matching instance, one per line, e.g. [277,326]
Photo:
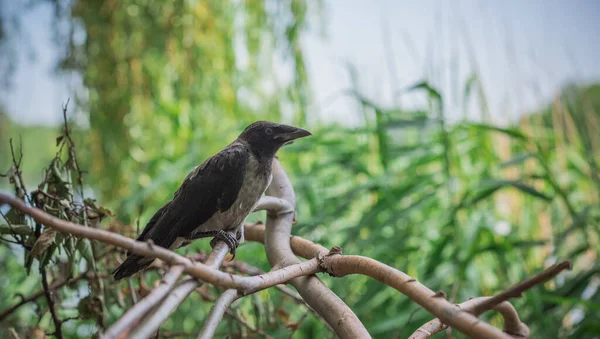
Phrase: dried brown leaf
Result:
[44,241]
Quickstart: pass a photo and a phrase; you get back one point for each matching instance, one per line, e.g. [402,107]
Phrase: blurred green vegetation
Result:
[467,208]
[40,141]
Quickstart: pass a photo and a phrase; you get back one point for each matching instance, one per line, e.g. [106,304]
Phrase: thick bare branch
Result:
[201,271]
[436,303]
[477,306]
[342,265]
[216,313]
[273,204]
[186,287]
[206,296]
[178,294]
[135,313]
[512,324]
[279,253]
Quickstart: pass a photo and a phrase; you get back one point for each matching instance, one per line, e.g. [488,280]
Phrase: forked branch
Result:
[512,324]
[206,273]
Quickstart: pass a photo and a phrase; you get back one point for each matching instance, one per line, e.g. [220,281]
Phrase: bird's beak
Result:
[297,133]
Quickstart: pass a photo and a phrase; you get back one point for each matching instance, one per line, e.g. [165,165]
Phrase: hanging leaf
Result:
[59,139]
[518,159]
[85,248]
[45,240]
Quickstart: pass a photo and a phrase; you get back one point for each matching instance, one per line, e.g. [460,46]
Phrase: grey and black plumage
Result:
[216,197]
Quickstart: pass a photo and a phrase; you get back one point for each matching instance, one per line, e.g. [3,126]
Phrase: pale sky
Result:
[524,50]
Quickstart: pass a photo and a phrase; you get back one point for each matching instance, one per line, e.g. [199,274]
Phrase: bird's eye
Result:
[269,131]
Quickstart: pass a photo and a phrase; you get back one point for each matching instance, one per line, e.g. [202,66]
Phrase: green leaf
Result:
[431,92]
[85,249]
[489,187]
[512,132]
[471,81]
[15,229]
[573,301]
[518,159]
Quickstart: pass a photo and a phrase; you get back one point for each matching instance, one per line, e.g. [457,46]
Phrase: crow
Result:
[216,196]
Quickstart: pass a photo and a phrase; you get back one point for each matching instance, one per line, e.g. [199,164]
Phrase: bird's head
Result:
[266,137]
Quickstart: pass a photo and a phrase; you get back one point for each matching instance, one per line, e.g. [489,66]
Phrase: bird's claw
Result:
[231,241]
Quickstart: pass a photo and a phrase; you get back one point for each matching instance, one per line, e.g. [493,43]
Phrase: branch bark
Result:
[216,313]
[273,204]
[55,318]
[286,266]
[186,287]
[512,324]
[206,273]
[135,313]
[517,290]
[206,296]
[342,265]
[279,253]
[436,303]
[181,291]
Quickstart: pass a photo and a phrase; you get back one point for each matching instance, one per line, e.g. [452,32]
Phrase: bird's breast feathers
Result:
[256,181]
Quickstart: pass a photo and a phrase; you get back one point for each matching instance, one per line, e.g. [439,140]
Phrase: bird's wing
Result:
[153,221]
[210,187]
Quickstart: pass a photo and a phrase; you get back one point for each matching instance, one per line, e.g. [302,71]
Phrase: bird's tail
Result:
[133,264]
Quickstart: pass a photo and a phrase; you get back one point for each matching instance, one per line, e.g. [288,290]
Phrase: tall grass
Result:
[469,208]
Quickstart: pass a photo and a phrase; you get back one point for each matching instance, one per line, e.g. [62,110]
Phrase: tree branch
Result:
[216,313]
[517,290]
[279,246]
[135,313]
[342,265]
[279,253]
[179,294]
[477,306]
[232,314]
[55,318]
[512,324]
[436,303]
[273,204]
[56,285]
[206,273]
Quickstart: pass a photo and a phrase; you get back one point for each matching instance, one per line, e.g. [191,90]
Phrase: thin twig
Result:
[412,314]
[75,161]
[16,234]
[18,176]
[132,291]
[216,313]
[517,290]
[55,318]
[14,333]
[54,286]
[297,325]
[176,334]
